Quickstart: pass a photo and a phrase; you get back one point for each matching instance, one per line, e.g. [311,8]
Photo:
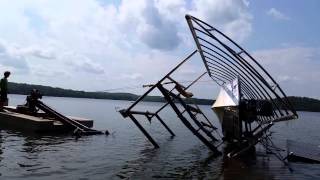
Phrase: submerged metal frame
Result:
[224,58]
[224,61]
[198,128]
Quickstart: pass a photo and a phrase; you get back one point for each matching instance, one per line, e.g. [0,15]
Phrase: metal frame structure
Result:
[225,60]
[203,130]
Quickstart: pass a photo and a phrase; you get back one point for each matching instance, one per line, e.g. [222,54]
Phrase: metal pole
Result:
[146,93]
[143,131]
[164,124]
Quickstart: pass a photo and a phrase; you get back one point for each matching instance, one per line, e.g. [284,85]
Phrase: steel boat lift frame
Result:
[224,61]
[201,129]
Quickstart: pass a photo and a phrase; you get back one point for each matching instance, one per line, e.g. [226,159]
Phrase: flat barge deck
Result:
[13,120]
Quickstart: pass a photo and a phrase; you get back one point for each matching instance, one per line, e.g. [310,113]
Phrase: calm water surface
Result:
[127,154]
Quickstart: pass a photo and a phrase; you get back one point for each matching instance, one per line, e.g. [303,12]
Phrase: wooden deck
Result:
[22,122]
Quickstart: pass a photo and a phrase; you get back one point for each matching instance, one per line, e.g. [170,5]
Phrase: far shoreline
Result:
[150,101]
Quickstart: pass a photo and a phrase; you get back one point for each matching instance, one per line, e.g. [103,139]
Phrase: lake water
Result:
[127,154]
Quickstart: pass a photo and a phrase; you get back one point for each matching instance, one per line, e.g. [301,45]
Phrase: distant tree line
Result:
[25,89]
[305,103]
[299,103]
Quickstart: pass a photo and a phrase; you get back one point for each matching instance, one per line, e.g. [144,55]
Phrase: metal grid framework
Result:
[190,114]
[225,60]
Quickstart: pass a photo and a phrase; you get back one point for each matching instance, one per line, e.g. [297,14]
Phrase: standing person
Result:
[4,89]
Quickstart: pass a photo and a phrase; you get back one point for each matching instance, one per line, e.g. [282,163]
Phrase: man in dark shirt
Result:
[4,89]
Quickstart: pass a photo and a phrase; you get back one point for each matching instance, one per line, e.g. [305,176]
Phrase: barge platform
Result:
[37,124]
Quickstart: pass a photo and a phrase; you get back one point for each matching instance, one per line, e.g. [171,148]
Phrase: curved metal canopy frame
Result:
[226,60]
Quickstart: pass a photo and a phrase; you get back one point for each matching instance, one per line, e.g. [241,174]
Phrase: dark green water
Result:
[126,154]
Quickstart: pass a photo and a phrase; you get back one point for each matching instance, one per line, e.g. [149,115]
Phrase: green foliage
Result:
[305,103]
[18,88]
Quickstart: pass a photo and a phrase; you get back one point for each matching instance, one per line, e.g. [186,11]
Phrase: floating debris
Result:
[303,152]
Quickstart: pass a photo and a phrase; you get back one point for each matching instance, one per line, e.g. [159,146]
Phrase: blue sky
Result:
[108,44]
[300,28]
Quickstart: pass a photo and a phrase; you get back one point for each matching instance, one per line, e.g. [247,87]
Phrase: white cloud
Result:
[134,42]
[84,64]
[230,16]
[133,76]
[295,68]
[11,59]
[84,40]
[143,19]
[39,52]
[277,14]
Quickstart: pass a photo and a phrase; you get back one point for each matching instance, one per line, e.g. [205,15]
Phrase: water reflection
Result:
[127,154]
[34,148]
[1,151]
[198,163]
[146,154]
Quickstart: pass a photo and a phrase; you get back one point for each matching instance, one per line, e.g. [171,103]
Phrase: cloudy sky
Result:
[96,45]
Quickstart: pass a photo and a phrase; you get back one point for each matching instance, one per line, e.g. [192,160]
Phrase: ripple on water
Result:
[126,154]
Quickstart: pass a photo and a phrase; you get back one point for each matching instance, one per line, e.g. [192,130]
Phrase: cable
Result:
[143,86]
[121,88]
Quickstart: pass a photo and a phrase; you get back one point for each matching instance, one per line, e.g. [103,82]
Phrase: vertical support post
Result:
[143,131]
[165,125]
